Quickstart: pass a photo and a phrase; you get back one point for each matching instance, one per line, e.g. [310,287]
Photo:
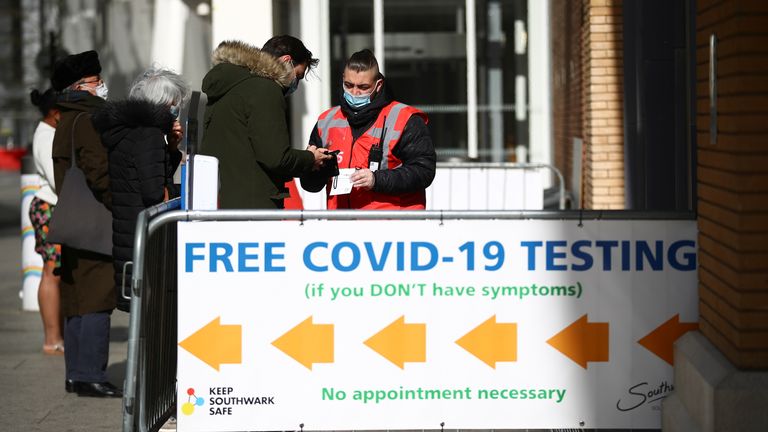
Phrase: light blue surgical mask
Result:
[175,110]
[357,102]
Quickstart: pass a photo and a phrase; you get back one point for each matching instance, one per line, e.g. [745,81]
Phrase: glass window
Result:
[426,66]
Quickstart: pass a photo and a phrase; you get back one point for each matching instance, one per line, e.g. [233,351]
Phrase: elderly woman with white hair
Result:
[142,135]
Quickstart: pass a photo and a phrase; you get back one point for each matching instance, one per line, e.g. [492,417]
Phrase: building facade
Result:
[644,105]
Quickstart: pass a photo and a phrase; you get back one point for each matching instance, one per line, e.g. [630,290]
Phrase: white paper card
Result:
[342,183]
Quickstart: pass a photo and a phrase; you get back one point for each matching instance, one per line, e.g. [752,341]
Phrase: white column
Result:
[247,20]
[314,93]
[471,80]
[168,34]
[378,32]
[540,83]
[31,262]
[325,52]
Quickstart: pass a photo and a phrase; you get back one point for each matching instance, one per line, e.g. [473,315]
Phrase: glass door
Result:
[425,47]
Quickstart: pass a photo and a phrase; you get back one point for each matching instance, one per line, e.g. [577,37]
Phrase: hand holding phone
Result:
[332,163]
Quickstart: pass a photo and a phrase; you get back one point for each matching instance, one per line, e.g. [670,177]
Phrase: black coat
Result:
[141,167]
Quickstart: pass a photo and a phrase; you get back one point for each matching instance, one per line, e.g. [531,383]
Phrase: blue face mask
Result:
[292,87]
[357,102]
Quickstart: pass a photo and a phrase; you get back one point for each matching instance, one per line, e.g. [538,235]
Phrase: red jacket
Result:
[333,128]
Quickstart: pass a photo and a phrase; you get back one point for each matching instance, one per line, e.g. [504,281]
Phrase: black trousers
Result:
[86,341]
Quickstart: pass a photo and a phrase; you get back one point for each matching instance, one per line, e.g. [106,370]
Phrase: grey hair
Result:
[160,86]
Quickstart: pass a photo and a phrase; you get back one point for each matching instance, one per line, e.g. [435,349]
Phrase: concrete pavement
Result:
[32,396]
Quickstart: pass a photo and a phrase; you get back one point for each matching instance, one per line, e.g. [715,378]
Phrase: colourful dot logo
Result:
[189,407]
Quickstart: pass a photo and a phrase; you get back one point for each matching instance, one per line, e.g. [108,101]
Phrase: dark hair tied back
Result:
[362,61]
[43,101]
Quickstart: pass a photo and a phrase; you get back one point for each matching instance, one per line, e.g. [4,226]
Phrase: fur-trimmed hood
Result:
[249,61]
[117,118]
[258,62]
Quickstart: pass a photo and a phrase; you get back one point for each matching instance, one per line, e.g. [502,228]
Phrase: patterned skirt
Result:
[40,215]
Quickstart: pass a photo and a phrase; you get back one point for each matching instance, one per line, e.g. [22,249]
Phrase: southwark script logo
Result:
[643,394]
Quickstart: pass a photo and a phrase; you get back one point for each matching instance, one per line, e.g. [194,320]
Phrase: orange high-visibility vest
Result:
[336,134]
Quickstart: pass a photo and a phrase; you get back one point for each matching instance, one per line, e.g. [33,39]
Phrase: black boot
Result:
[102,389]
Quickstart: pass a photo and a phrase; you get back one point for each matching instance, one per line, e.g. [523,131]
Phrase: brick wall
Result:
[566,22]
[602,98]
[588,97]
[733,180]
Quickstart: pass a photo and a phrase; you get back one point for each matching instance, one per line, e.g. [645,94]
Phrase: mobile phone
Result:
[332,164]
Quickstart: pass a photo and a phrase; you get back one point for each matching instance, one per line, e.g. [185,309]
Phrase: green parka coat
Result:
[245,127]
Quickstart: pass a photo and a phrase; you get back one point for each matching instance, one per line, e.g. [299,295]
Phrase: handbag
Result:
[79,220]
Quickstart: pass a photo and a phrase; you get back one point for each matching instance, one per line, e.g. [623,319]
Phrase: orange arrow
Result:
[308,343]
[216,344]
[662,339]
[400,342]
[583,341]
[492,342]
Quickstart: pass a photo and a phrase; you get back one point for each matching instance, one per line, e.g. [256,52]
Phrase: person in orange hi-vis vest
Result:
[383,147]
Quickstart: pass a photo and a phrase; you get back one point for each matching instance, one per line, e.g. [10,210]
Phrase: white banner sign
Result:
[492,324]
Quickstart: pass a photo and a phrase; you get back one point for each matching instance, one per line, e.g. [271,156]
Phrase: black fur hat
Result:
[72,68]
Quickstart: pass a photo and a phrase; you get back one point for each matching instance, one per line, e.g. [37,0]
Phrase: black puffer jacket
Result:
[141,166]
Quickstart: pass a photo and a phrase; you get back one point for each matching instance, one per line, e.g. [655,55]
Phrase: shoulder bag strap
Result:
[74,123]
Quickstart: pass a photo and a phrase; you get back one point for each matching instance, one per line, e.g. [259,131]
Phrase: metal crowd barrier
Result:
[149,396]
[503,189]
[150,383]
